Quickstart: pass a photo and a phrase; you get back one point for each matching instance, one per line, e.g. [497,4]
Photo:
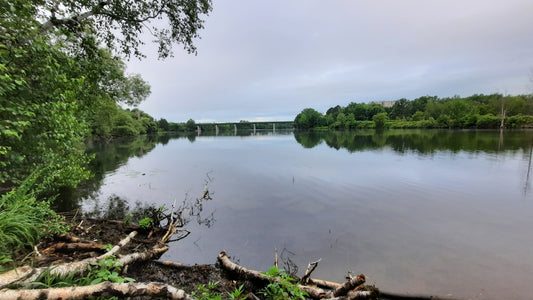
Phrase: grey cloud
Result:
[271,59]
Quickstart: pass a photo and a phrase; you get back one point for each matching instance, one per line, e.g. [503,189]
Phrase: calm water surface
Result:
[446,213]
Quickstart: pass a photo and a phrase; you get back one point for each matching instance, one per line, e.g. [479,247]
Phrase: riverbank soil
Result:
[93,237]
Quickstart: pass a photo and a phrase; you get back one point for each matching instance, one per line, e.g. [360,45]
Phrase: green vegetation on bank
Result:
[63,79]
[477,111]
[24,220]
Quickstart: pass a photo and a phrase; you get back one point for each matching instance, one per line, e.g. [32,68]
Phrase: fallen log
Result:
[26,274]
[142,256]
[348,285]
[67,237]
[172,264]
[340,290]
[105,289]
[15,275]
[323,283]
[72,247]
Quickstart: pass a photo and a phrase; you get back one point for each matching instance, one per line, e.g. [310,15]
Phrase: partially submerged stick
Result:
[310,268]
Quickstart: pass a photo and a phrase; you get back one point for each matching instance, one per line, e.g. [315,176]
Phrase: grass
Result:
[24,221]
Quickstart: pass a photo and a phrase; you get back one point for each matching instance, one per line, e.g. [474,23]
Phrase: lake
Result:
[438,212]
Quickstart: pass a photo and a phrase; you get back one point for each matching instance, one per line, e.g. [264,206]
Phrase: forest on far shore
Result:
[476,111]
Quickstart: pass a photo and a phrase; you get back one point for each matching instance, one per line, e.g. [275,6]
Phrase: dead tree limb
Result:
[233,267]
[67,237]
[310,268]
[142,256]
[105,289]
[172,264]
[16,275]
[323,283]
[276,257]
[28,274]
[351,284]
[314,292]
[71,247]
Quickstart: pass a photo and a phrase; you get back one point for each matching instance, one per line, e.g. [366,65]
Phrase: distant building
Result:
[384,103]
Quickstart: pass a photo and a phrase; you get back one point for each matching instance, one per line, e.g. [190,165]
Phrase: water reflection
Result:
[527,183]
[110,156]
[427,142]
[107,157]
[420,141]
[119,208]
[410,208]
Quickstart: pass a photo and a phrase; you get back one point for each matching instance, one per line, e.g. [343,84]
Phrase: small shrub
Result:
[488,121]
[146,223]
[206,293]
[518,121]
[284,288]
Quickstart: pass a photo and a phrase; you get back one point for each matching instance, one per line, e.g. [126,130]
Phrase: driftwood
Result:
[67,237]
[172,264]
[28,274]
[314,292]
[105,289]
[142,256]
[72,247]
[310,268]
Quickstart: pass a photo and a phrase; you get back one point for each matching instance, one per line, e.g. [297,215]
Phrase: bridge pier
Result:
[216,129]
[274,127]
[235,127]
[199,130]
[254,128]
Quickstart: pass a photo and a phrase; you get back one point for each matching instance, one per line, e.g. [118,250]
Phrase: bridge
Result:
[243,125]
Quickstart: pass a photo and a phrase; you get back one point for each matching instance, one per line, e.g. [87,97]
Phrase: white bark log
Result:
[104,289]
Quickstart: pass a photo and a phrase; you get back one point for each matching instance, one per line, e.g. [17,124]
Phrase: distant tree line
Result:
[477,111]
[191,125]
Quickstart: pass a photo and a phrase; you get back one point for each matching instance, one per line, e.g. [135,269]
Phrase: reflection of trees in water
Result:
[109,156]
[527,184]
[427,142]
[420,141]
[308,139]
[117,208]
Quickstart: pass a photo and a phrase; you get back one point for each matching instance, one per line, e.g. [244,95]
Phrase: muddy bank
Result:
[89,238]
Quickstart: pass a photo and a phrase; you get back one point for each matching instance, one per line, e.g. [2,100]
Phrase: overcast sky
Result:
[270,59]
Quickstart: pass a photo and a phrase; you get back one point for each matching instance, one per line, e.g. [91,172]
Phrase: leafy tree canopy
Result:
[62,78]
[119,24]
[308,118]
[476,111]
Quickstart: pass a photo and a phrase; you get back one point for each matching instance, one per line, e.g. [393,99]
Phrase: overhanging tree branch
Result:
[129,18]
